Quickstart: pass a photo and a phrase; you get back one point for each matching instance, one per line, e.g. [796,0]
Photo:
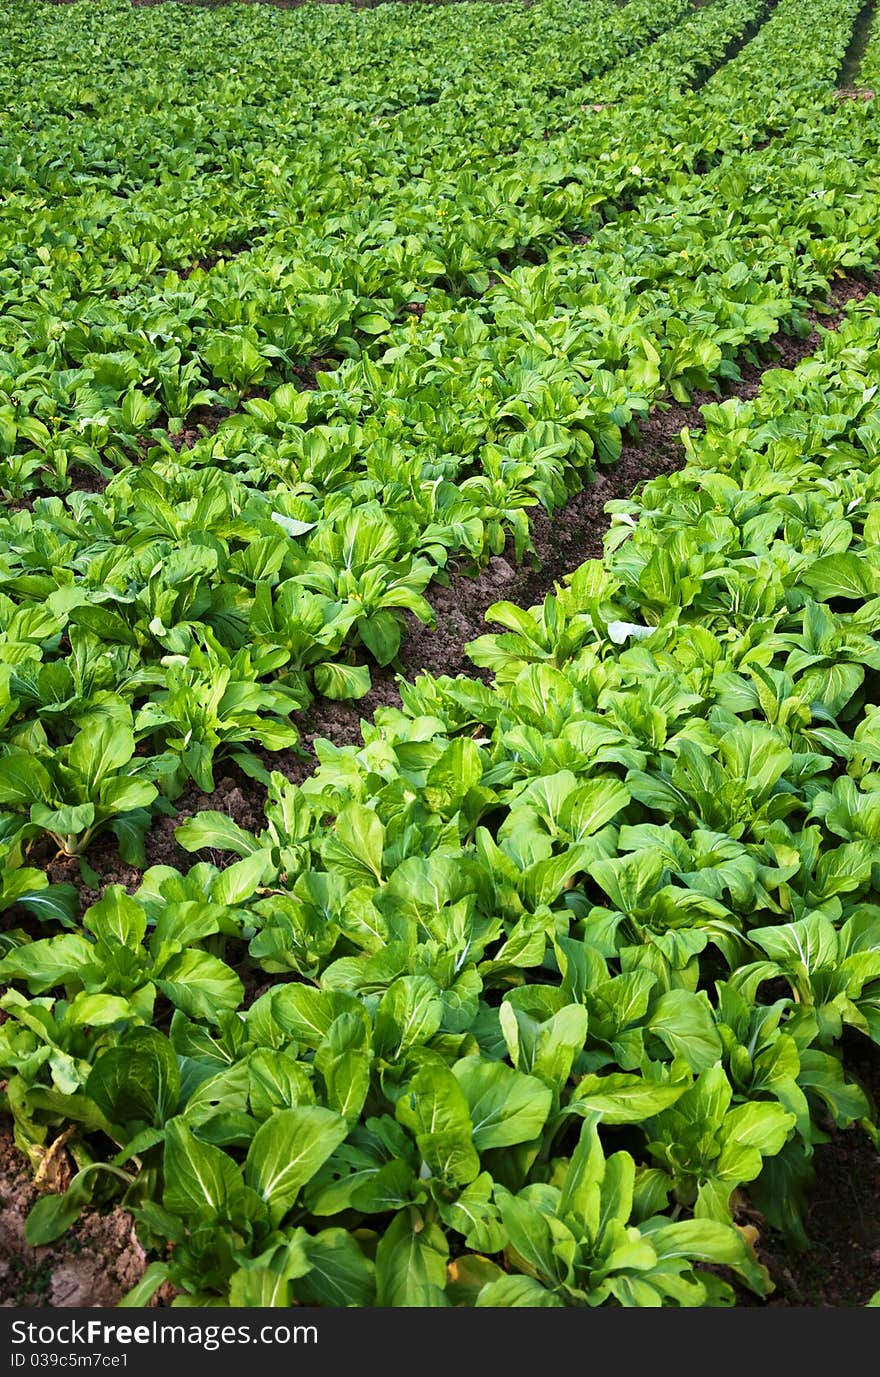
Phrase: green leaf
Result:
[505,1106]
[372,324]
[201,1181]
[242,879]
[541,1242]
[341,682]
[291,526]
[308,1014]
[512,1293]
[545,1049]
[264,1281]
[809,944]
[409,1013]
[277,1081]
[343,1060]
[67,821]
[755,756]
[411,1263]
[50,903]
[287,1150]
[138,1081]
[50,961]
[684,1022]
[339,1273]
[823,1076]
[144,1290]
[581,1195]
[200,984]
[356,846]
[474,1215]
[433,1107]
[23,779]
[99,1010]
[624,1099]
[211,830]
[381,633]
[707,1240]
[53,1215]
[782,1191]
[103,746]
[846,575]
[749,1132]
[117,918]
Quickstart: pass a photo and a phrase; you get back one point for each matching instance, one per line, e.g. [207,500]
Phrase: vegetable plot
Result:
[521,1001]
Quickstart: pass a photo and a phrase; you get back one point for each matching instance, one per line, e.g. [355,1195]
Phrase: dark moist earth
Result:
[100,1258]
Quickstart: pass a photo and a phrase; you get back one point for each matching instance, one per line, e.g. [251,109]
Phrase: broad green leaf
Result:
[101,747]
[545,1248]
[201,1181]
[505,1106]
[287,1150]
[706,1240]
[308,1014]
[684,1022]
[809,944]
[23,779]
[409,1014]
[434,1108]
[117,918]
[622,1098]
[201,985]
[211,830]
[512,1292]
[341,682]
[50,961]
[411,1263]
[53,1215]
[264,1282]
[67,821]
[339,1273]
[138,1081]
[355,847]
[144,1290]
[474,1215]
[846,575]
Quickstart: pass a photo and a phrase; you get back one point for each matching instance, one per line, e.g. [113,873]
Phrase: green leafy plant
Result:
[74,792]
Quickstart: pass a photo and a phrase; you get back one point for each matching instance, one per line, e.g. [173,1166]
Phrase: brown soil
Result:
[307,370]
[237,796]
[93,1265]
[86,480]
[202,420]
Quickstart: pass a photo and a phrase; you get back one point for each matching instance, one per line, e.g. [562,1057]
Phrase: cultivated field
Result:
[355,952]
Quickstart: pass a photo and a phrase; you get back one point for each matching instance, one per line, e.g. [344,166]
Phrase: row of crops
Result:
[511,1004]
